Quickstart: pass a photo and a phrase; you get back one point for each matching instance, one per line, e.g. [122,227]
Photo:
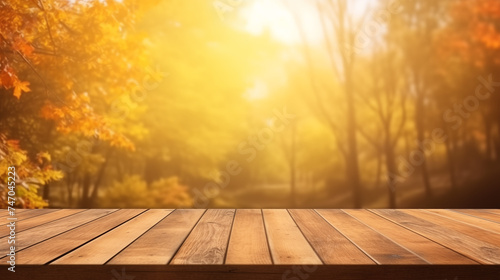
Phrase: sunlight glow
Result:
[277,17]
[258,91]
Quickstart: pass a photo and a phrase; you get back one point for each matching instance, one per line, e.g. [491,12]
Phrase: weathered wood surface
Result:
[255,237]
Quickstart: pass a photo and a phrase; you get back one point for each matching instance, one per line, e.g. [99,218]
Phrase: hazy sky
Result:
[277,16]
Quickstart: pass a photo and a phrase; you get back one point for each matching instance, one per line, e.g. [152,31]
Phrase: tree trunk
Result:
[419,120]
[85,199]
[488,140]
[352,156]
[292,164]
[496,142]
[407,145]
[46,191]
[390,162]
[379,169]
[451,161]
[100,175]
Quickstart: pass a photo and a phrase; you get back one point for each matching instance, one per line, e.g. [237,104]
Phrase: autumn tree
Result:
[471,40]
[69,61]
[415,27]
[339,29]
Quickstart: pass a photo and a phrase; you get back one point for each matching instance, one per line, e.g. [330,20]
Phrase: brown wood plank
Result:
[159,244]
[331,246]
[44,252]
[472,231]
[5,213]
[103,248]
[207,243]
[256,238]
[287,243]
[40,220]
[31,213]
[253,272]
[432,252]
[248,242]
[34,235]
[475,249]
[483,214]
[467,219]
[379,247]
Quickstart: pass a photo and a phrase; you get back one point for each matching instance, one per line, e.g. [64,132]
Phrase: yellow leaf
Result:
[19,87]
[42,156]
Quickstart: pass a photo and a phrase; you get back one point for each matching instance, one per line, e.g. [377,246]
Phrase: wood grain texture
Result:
[467,219]
[475,249]
[483,214]
[40,220]
[428,250]
[5,213]
[25,215]
[472,231]
[248,242]
[208,241]
[331,246]
[159,244]
[380,248]
[253,272]
[38,234]
[45,252]
[103,248]
[297,240]
[287,243]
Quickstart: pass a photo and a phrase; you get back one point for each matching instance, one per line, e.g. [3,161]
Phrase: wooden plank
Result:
[5,213]
[428,250]
[287,243]
[207,243]
[34,235]
[44,252]
[40,220]
[494,211]
[248,242]
[32,213]
[472,231]
[475,249]
[253,272]
[441,237]
[378,247]
[103,248]
[467,219]
[481,214]
[159,244]
[331,246]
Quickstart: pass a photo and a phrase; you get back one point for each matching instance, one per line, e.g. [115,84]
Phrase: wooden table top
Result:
[278,236]
[267,237]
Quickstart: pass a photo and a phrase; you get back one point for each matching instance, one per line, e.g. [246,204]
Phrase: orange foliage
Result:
[66,52]
[30,175]
[474,34]
[75,58]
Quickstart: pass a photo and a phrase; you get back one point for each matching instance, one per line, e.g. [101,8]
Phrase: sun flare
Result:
[280,20]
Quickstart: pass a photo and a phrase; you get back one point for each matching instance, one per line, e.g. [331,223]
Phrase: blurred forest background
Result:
[251,103]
